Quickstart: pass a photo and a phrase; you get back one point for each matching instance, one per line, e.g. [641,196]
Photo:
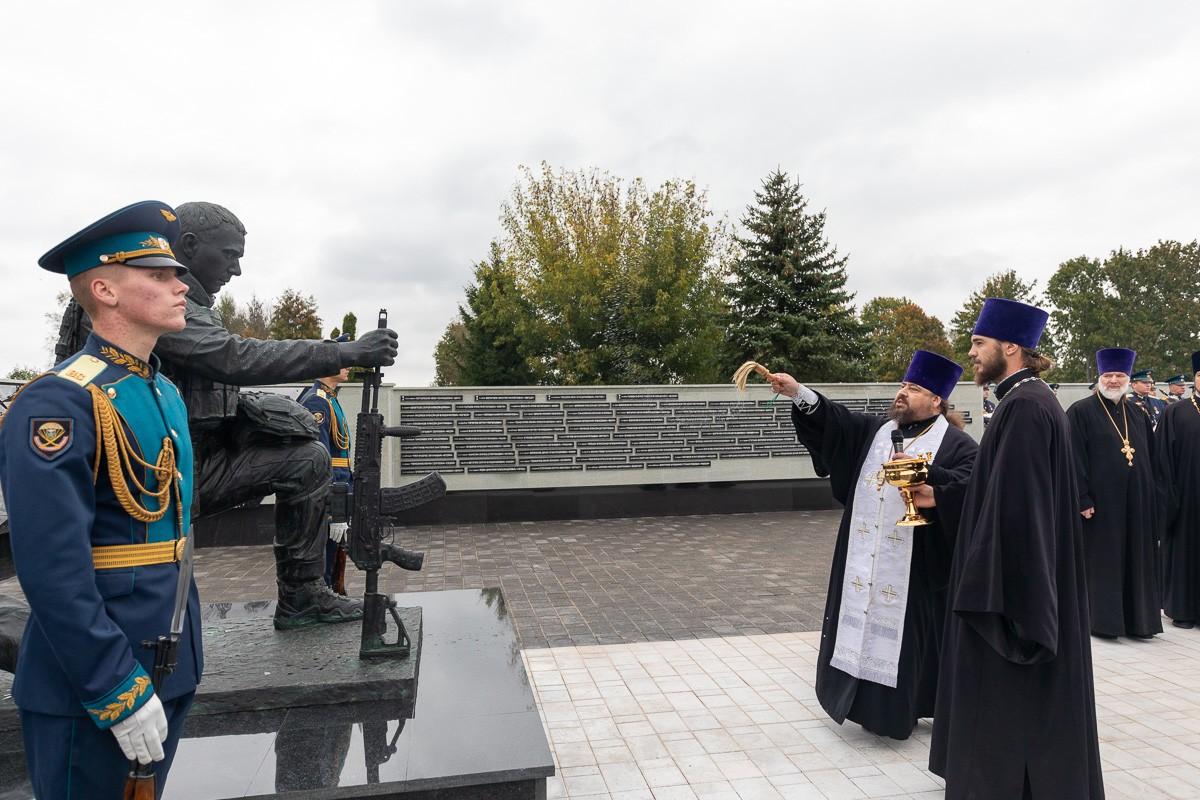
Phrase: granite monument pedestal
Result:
[457,722]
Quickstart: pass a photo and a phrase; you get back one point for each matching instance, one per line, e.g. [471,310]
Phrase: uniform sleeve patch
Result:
[319,417]
[51,437]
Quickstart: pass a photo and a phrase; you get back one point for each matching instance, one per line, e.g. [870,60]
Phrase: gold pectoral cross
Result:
[1128,452]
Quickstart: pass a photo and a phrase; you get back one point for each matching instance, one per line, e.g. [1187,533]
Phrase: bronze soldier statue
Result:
[249,445]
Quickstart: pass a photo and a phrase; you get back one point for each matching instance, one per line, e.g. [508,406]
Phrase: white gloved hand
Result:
[142,734]
[337,530]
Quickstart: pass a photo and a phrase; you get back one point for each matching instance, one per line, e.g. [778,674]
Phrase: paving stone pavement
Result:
[735,718]
[672,659]
[580,582]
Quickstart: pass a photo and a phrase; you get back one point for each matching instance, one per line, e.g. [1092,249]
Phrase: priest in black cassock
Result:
[886,602]
[1016,709]
[1179,457]
[1119,502]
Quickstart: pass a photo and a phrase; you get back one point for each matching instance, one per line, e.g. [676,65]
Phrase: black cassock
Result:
[1016,699]
[839,441]
[1119,539]
[1179,459]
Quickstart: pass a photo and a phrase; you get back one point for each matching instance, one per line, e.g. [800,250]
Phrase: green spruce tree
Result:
[497,321]
[788,304]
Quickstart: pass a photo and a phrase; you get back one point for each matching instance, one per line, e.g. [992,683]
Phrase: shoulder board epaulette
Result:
[81,370]
[322,393]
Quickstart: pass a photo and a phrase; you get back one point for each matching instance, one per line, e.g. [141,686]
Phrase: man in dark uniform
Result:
[96,465]
[1016,708]
[249,446]
[1143,399]
[1118,499]
[1176,388]
[321,400]
[989,405]
[881,639]
[1179,465]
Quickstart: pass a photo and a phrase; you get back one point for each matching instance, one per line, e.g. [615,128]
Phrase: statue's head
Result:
[211,243]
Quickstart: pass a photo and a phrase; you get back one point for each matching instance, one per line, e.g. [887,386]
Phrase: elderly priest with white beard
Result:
[880,641]
[1118,500]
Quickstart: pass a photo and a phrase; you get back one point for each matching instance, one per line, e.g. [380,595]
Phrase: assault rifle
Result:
[372,509]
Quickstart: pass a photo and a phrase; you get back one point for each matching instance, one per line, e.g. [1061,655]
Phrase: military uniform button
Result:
[112,392]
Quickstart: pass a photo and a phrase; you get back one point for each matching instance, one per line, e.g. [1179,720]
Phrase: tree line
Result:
[597,280]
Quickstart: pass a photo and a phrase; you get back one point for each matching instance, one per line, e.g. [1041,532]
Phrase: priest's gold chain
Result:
[1126,449]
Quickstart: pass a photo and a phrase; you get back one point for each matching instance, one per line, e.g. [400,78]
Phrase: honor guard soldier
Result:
[321,400]
[96,466]
[1142,384]
[1176,387]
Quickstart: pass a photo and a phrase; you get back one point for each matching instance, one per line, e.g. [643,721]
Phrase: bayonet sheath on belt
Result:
[140,783]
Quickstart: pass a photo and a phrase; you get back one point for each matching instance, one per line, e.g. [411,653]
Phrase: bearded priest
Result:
[1179,459]
[886,602]
[1016,706]
[1118,500]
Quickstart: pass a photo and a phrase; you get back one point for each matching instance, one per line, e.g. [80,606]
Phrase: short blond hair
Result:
[81,287]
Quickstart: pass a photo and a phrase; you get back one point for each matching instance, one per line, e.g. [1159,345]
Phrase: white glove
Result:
[337,530]
[141,735]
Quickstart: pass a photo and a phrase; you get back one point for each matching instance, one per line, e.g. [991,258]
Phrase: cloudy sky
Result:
[368,146]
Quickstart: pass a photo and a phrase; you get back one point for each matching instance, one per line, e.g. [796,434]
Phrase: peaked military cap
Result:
[1142,375]
[139,235]
[1177,380]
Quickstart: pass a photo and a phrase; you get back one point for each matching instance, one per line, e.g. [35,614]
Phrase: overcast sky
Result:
[368,146]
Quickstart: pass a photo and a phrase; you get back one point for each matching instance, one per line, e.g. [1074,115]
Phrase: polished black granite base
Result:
[473,731]
[250,666]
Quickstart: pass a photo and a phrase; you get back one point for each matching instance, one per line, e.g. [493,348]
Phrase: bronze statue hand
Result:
[376,348]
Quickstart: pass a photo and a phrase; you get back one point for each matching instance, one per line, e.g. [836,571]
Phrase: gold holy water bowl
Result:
[906,473]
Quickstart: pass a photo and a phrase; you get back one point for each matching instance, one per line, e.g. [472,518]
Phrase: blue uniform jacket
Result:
[81,654]
[335,433]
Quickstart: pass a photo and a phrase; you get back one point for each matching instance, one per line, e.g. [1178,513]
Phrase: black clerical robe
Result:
[1016,700]
[1119,540]
[1179,460]
[839,440]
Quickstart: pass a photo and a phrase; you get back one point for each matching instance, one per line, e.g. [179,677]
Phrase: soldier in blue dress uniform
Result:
[321,400]
[1176,389]
[96,467]
[1142,384]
